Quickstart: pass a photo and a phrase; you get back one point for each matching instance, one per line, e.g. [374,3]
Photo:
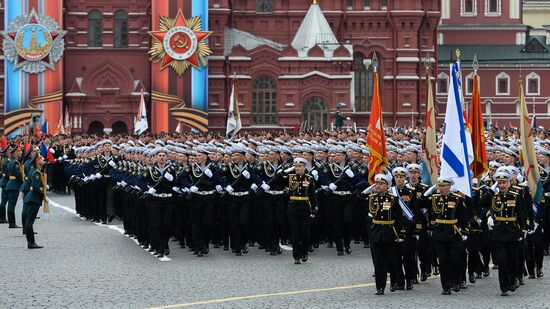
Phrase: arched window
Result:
[264,101]
[533,84]
[363,83]
[442,83]
[121,29]
[95,29]
[96,127]
[503,84]
[315,114]
[264,6]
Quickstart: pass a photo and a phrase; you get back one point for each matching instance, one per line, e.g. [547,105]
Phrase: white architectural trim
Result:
[239,58]
[312,73]
[407,59]
[493,14]
[292,58]
[463,12]
[467,86]
[407,77]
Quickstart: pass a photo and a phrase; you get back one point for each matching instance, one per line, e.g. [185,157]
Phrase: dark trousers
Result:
[31,213]
[475,265]
[341,217]
[448,254]
[408,260]
[300,233]
[3,202]
[238,218]
[274,218]
[535,254]
[424,248]
[202,213]
[161,222]
[385,259]
[13,195]
[505,255]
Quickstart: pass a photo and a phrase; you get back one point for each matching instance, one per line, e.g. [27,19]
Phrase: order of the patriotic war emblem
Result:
[33,42]
[180,43]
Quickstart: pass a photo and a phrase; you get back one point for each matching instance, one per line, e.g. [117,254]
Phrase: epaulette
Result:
[456,195]
[423,185]
[436,195]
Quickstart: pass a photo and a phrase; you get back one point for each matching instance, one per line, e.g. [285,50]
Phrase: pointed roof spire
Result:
[315,30]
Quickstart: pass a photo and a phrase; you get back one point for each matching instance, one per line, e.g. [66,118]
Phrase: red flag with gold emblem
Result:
[430,140]
[376,138]
[479,165]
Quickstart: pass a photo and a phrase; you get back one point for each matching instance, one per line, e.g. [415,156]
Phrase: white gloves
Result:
[151,191]
[111,163]
[229,189]
[534,229]
[91,177]
[315,174]
[176,189]
[208,173]
[219,188]
[464,237]
[265,186]
[430,190]
[332,187]
[86,179]
[368,190]
[288,170]
[494,188]
[254,187]
[168,176]
[185,189]
[123,183]
[194,189]
[98,175]
[324,188]
[490,223]
[350,173]
[246,174]
[65,157]
[52,150]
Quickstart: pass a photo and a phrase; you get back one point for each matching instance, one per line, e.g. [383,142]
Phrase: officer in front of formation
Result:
[302,207]
[34,197]
[449,228]
[385,219]
[506,220]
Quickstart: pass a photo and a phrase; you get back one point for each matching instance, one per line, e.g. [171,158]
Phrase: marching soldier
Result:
[6,157]
[449,227]
[385,219]
[506,218]
[34,198]
[301,207]
[14,183]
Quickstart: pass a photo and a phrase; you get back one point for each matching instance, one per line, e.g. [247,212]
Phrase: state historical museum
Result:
[294,61]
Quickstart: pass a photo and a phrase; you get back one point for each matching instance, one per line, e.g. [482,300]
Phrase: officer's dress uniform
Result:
[12,187]
[448,224]
[181,222]
[301,206]
[424,246]
[3,181]
[536,241]
[507,212]
[385,220]
[408,245]
[32,202]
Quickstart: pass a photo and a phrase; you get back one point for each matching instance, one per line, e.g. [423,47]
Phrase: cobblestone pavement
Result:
[84,265]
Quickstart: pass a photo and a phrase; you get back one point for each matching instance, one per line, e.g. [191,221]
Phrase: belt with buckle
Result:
[506,219]
[272,192]
[239,193]
[443,221]
[204,192]
[341,192]
[383,222]
[163,195]
[299,198]
[107,176]
[13,177]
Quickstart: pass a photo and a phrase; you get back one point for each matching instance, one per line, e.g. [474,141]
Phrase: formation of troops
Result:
[207,193]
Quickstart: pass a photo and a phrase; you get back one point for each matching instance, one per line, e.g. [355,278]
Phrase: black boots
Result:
[3,216]
[11,220]
[31,244]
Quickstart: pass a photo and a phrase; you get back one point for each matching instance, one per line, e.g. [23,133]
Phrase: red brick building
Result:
[285,77]
[506,51]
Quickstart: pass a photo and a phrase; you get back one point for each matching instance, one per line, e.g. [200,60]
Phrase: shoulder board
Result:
[423,185]
[391,194]
[513,192]
[436,195]
[457,195]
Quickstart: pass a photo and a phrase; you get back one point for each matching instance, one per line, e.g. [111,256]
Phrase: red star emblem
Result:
[180,43]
